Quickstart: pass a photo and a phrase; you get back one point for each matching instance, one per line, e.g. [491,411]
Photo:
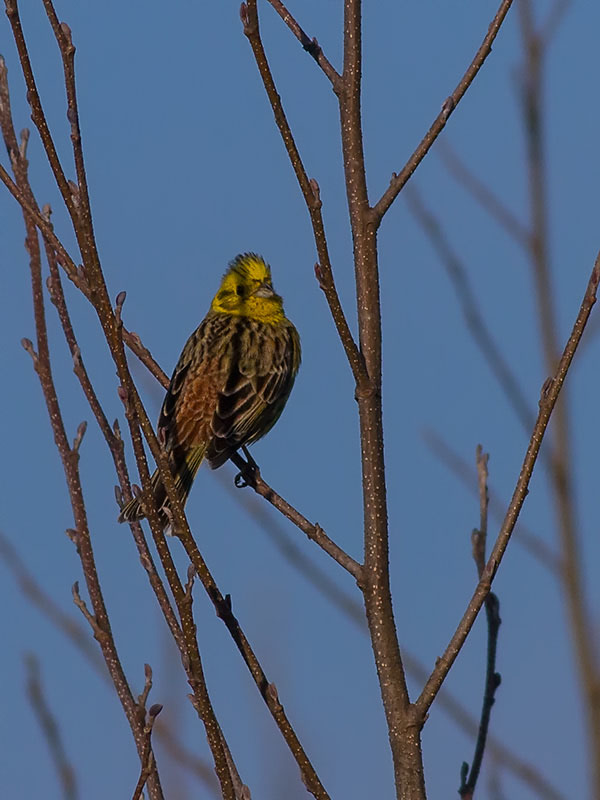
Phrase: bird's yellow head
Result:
[246,291]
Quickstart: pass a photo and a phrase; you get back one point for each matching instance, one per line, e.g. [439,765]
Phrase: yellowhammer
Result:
[231,382]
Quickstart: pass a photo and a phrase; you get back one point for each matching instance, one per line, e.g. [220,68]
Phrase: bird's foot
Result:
[249,470]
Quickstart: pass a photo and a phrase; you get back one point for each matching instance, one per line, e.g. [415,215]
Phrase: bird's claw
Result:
[248,474]
[240,481]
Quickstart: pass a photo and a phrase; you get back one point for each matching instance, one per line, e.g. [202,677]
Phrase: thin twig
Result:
[310,45]
[50,729]
[549,396]
[74,274]
[400,179]
[479,537]
[70,457]
[492,609]
[112,438]
[37,112]
[315,533]
[310,191]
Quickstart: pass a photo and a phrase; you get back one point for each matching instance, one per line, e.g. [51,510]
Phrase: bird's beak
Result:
[264,290]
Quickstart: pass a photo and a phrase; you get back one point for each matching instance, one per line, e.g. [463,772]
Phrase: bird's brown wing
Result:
[264,362]
[191,399]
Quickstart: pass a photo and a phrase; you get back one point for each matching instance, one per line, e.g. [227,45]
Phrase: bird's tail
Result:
[184,473]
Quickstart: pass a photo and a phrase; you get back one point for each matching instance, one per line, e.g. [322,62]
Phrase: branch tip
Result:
[119,301]
[545,391]
[66,32]
[245,18]
[272,693]
[448,107]
[23,142]
[74,188]
[77,361]
[320,276]
[27,345]
[316,191]
[81,429]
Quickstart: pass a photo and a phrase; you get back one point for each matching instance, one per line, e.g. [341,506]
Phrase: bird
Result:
[231,382]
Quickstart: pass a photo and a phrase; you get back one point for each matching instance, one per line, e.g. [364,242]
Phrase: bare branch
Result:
[37,112]
[400,179]
[404,729]
[310,45]
[315,533]
[312,197]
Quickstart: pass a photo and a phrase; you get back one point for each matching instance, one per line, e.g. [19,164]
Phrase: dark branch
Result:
[492,609]
[310,45]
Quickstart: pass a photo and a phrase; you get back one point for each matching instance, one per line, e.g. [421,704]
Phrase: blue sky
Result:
[186,169]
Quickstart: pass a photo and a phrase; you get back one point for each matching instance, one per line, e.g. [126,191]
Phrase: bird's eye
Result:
[239,290]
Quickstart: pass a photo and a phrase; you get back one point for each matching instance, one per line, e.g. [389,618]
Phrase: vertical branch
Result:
[403,728]
[492,610]
[69,455]
[81,534]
